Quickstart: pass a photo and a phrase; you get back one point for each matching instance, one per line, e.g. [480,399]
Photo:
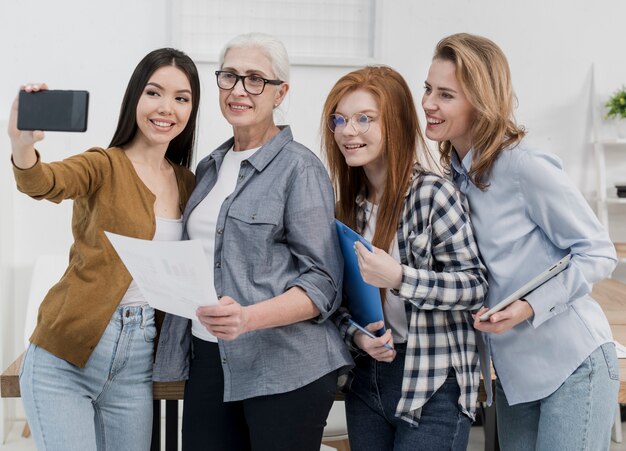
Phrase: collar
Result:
[460,170]
[462,166]
[266,152]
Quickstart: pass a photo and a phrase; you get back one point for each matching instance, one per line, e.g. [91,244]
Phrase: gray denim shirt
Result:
[274,232]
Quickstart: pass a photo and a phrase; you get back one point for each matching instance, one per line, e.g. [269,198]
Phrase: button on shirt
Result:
[202,223]
[530,216]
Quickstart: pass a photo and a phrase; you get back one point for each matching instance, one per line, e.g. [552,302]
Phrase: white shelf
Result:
[604,147]
[615,200]
[603,200]
[621,142]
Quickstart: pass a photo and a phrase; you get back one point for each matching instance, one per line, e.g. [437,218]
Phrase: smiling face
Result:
[241,109]
[164,107]
[360,149]
[449,114]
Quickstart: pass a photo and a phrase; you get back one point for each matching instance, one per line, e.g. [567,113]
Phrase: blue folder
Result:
[363,299]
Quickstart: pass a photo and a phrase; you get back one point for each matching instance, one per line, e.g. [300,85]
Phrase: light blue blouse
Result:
[530,216]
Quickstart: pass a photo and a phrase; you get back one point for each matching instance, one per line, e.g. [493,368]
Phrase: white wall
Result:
[6,270]
[74,44]
[70,44]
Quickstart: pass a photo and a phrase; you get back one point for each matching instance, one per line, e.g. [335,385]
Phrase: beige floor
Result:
[16,443]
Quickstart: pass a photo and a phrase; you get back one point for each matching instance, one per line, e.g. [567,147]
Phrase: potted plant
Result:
[616,109]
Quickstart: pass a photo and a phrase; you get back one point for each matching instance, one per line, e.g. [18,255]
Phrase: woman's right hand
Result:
[505,319]
[375,347]
[23,141]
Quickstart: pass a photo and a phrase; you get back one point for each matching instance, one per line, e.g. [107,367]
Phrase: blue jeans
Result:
[577,416]
[107,405]
[371,403]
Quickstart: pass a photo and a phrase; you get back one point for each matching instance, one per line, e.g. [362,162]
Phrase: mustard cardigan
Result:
[108,195]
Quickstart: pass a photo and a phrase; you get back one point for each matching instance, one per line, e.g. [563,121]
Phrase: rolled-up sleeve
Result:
[310,231]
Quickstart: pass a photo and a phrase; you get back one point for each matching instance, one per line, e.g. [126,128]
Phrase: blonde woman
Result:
[553,352]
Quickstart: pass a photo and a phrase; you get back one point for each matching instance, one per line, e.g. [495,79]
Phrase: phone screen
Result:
[53,110]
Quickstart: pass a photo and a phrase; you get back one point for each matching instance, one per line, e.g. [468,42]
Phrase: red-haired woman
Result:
[422,394]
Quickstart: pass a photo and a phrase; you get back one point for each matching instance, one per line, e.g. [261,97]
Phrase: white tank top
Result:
[202,222]
[395,315]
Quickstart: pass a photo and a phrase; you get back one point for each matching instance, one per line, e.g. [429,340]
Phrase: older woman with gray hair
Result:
[265,359]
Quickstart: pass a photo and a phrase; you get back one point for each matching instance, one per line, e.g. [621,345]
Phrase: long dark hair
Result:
[180,149]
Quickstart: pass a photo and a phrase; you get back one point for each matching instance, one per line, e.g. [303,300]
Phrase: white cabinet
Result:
[606,194]
[610,163]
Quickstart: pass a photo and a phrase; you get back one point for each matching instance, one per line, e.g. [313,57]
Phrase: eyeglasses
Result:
[360,122]
[252,84]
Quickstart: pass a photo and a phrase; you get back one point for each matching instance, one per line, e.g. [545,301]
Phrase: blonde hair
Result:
[484,74]
[401,134]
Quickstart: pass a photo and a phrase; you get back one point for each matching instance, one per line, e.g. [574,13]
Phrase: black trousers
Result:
[292,421]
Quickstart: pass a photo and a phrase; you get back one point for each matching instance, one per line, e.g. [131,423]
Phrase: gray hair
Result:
[271,47]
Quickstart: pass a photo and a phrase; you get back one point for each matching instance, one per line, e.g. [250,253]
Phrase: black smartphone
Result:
[53,110]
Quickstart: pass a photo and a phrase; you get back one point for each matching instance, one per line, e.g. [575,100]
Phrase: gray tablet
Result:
[528,287]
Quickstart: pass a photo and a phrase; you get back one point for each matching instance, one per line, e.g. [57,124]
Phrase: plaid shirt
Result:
[443,281]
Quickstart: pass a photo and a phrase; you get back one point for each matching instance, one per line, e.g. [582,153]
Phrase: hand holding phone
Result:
[53,110]
[23,142]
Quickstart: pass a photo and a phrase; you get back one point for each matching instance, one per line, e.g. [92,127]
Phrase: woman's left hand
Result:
[376,347]
[378,268]
[505,319]
[227,320]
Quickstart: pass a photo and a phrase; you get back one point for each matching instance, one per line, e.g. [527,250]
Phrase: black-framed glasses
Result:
[252,84]
[360,122]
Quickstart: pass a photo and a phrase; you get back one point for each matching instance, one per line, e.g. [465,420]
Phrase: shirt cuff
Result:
[547,301]
[16,168]
[410,288]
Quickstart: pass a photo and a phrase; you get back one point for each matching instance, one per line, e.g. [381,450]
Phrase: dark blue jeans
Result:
[371,405]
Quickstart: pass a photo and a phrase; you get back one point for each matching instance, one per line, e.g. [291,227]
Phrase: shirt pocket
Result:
[257,213]
[252,229]
[420,246]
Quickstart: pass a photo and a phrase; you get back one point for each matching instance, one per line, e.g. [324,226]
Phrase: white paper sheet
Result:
[170,274]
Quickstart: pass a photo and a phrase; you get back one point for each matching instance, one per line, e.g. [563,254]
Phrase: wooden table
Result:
[172,392]
[619,334]
[10,385]
[169,392]
[610,294]
[9,380]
